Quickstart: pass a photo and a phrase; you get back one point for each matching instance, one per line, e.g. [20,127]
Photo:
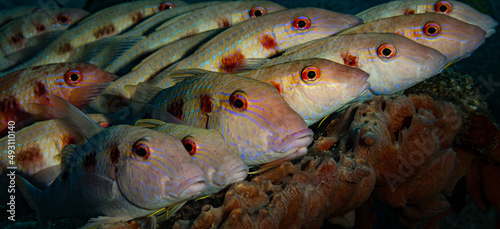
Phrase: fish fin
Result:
[67,154]
[30,192]
[81,97]
[44,112]
[149,123]
[81,122]
[101,220]
[22,55]
[178,76]
[144,93]
[163,115]
[99,189]
[249,64]
[116,47]
[46,176]
[45,39]
[167,212]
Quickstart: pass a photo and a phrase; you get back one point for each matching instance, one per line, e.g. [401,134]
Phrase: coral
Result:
[293,196]
[407,140]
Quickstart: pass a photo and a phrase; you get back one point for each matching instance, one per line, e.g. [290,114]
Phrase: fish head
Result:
[298,26]
[466,13]
[244,10]
[153,170]
[100,119]
[221,165]
[453,38]
[257,123]
[395,62]
[64,17]
[316,87]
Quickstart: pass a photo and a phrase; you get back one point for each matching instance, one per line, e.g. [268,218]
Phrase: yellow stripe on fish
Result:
[453,38]
[455,9]
[200,20]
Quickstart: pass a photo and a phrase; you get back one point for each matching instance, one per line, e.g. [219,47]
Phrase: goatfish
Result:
[455,9]
[22,37]
[200,20]
[7,15]
[38,148]
[107,179]
[79,83]
[252,116]
[394,62]
[265,37]
[453,38]
[105,23]
[314,88]
[116,96]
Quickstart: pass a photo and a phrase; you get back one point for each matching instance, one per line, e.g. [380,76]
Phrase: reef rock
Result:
[407,140]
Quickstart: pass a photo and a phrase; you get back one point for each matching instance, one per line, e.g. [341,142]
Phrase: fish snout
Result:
[296,140]
[231,175]
[191,187]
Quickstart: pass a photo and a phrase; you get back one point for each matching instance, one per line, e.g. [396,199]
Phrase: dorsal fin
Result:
[149,123]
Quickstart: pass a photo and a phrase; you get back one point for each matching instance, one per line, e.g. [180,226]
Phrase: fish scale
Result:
[96,27]
[196,21]
[411,63]
[264,37]
[266,130]
[455,9]
[24,32]
[455,39]
[106,101]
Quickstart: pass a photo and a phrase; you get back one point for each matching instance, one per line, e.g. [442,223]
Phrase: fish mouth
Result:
[191,187]
[230,176]
[294,141]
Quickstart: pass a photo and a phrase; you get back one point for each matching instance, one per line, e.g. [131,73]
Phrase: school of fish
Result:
[129,115]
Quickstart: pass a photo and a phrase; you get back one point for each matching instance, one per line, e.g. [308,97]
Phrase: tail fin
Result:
[30,192]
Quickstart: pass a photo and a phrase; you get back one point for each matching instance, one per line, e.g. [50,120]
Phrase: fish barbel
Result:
[394,62]
[453,38]
[116,96]
[455,9]
[106,179]
[252,116]
[208,18]
[102,24]
[264,37]
[79,83]
[312,87]
[23,36]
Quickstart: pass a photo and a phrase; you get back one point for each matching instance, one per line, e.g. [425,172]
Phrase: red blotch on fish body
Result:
[229,62]
[350,60]
[68,139]
[409,11]
[267,41]
[40,28]
[30,156]
[114,155]
[10,110]
[105,31]
[277,86]
[40,89]
[65,48]
[176,109]
[17,39]
[223,22]
[137,17]
[206,104]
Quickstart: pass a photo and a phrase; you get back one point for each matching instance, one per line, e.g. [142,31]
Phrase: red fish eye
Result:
[166,6]
[189,145]
[73,77]
[104,124]
[257,11]
[64,18]
[310,73]
[301,23]
[386,51]
[431,29]
[239,101]
[443,7]
[142,150]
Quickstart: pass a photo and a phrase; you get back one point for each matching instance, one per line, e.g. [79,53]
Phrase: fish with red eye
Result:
[431,29]
[301,23]
[386,51]
[310,74]
[257,11]
[190,145]
[444,7]
[166,6]
[64,18]
[238,101]
[141,150]
[73,77]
